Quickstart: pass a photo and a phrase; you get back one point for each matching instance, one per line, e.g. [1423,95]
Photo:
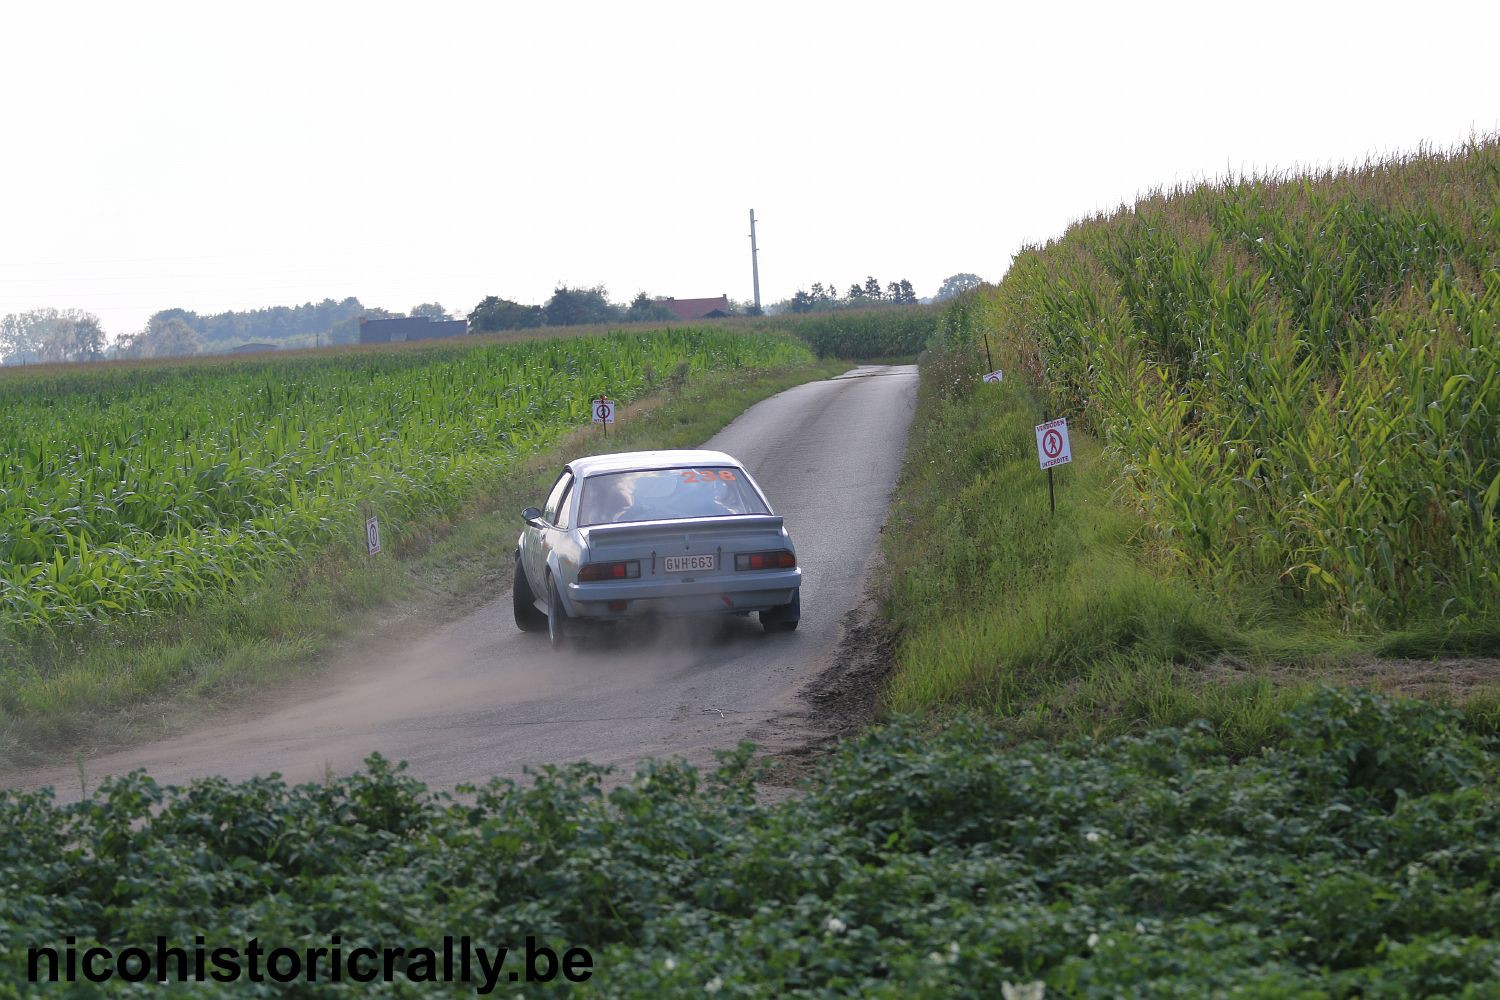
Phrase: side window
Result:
[554,499]
[563,503]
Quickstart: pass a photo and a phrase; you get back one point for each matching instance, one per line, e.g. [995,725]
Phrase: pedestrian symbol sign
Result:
[1052,444]
[604,410]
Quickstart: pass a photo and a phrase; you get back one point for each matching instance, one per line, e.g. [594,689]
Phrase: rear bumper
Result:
[752,591]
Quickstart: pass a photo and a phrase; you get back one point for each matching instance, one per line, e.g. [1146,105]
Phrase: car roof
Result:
[626,461]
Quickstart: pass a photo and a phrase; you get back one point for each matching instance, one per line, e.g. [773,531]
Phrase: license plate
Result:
[687,564]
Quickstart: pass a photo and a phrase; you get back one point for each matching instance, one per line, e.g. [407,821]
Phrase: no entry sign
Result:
[1052,445]
[604,410]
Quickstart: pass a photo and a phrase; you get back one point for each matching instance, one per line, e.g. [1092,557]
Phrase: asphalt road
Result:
[476,698]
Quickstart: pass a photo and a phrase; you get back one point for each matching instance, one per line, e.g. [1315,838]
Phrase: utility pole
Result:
[755,262]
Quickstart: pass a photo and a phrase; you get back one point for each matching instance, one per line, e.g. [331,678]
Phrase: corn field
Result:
[1299,376]
[131,491]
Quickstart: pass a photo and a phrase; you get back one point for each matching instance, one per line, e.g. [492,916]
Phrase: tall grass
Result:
[133,490]
[1057,621]
[1299,376]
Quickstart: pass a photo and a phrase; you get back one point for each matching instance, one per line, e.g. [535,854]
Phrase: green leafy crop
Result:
[129,491]
[1359,858]
[1299,376]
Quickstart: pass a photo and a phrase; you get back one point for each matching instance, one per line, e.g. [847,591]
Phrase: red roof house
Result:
[697,308]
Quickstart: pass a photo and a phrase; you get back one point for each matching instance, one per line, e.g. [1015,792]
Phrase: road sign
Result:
[604,410]
[994,376]
[372,536]
[1052,444]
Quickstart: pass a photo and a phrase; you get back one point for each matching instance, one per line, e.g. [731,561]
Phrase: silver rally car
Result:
[654,533]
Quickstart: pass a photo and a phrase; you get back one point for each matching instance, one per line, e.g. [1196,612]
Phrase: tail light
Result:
[610,571]
[765,560]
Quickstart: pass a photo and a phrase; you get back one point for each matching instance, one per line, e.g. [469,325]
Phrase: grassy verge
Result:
[136,682]
[1074,623]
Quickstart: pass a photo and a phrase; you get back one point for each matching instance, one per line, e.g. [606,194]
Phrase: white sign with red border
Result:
[994,376]
[372,536]
[604,410]
[1052,444]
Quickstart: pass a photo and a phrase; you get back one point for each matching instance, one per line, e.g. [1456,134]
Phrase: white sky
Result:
[162,155]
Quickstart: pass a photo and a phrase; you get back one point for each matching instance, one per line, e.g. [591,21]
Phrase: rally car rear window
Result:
[661,494]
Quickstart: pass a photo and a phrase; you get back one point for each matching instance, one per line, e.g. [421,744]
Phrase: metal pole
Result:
[754,261]
[987,354]
[1051,495]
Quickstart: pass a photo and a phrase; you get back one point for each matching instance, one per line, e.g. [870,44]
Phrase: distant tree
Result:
[495,313]
[50,335]
[130,345]
[856,292]
[802,301]
[957,284]
[577,306]
[171,339]
[162,338]
[21,336]
[643,310]
[74,338]
[901,293]
[431,310]
[328,321]
[872,288]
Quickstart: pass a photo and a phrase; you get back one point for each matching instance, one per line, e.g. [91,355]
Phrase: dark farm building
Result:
[395,331]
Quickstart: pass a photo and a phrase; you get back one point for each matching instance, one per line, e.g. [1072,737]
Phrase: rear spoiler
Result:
[603,533]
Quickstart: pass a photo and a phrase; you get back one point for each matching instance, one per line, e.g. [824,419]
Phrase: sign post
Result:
[1053,449]
[604,412]
[994,375]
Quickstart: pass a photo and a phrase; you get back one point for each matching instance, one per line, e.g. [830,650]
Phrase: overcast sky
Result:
[162,155]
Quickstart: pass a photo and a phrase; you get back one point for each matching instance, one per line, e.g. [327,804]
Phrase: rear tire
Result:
[557,617]
[784,618]
[528,618]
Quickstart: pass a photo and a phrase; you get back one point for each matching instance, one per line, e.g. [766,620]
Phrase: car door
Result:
[543,539]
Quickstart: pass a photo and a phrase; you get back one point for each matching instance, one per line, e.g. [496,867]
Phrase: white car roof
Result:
[626,461]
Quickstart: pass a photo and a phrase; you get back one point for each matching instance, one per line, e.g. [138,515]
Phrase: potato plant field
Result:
[1358,859]
[1300,377]
[133,490]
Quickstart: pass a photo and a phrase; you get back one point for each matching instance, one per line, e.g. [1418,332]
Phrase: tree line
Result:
[870,293]
[569,307]
[47,335]
[41,336]
[53,335]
